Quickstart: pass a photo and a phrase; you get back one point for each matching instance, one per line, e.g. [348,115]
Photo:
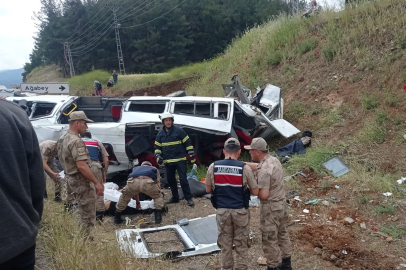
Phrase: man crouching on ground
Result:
[145,179]
[229,180]
[274,209]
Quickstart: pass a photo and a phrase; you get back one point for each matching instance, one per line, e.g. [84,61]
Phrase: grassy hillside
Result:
[49,73]
[83,84]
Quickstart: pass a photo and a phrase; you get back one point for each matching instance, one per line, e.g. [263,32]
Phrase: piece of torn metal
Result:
[198,237]
[336,166]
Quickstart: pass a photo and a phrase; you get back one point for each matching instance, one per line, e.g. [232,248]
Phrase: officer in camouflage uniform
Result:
[48,153]
[80,178]
[228,180]
[143,179]
[274,209]
[98,154]
[67,196]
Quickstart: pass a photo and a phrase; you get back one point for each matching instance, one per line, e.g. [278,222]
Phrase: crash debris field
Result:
[342,76]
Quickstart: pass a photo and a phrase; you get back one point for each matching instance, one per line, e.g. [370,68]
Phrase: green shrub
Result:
[369,102]
[391,100]
[306,46]
[275,59]
[295,110]
[329,53]
[384,208]
[372,132]
[394,232]
[381,116]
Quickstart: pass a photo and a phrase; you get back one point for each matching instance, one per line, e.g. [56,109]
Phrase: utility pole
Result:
[118,42]
[68,54]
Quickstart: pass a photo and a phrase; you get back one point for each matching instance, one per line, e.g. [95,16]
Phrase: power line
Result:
[82,49]
[94,30]
[127,19]
[156,17]
[90,49]
[87,22]
[93,39]
[134,9]
[120,14]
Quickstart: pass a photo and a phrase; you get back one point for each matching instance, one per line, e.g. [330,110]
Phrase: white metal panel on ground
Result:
[131,240]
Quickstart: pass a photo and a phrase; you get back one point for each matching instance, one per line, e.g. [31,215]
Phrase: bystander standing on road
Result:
[115,77]
[22,187]
[98,88]
[274,209]
[231,183]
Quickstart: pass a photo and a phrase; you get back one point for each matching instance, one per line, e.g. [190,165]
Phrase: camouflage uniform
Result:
[49,152]
[67,196]
[140,184]
[73,150]
[233,227]
[273,212]
[98,172]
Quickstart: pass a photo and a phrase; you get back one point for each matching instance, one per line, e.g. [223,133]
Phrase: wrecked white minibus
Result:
[128,127]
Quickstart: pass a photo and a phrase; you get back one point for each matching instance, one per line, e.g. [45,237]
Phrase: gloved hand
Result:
[159,160]
[192,158]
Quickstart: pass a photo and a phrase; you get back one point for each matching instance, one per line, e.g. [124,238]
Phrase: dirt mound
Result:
[339,246]
[161,89]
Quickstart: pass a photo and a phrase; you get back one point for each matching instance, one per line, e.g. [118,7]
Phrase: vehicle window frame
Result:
[216,110]
[34,108]
[147,101]
[213,109]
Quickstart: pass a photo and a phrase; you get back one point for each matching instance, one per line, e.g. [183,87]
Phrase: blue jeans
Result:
[171,169]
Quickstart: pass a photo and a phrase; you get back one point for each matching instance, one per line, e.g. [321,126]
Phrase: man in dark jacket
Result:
[22,187]
[171,145]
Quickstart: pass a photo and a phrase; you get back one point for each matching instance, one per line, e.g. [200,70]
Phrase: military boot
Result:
[172,200]
[190,202]
[99,215]
[117,218]
[58,197]
[275,268]
[286,264]
[158,216]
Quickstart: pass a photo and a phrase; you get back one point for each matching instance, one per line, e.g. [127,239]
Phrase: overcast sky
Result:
[17,30]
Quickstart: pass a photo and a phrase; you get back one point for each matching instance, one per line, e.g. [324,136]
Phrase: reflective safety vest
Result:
[228,180]
[93,148]
[148,171]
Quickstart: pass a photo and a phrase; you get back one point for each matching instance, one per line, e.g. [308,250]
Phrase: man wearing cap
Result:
[274,209]
[99,166]
[80,178]
[171,145]
[48,153]
[145,179]
[231,183]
